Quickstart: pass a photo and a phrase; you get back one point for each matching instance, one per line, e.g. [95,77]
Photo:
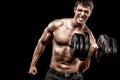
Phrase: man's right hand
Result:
[32,71]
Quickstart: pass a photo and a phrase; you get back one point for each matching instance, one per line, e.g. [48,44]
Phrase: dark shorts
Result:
[54,75]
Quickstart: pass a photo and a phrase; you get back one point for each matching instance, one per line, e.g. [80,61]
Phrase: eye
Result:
[80,10]
[86,12]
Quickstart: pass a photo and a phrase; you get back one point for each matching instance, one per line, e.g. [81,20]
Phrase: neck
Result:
[77,25]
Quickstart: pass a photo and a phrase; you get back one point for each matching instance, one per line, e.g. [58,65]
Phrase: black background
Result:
[27,17]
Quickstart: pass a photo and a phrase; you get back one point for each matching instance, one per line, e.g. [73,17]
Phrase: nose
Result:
[82,13]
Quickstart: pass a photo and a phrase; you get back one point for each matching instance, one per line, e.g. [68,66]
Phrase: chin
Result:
[80,22]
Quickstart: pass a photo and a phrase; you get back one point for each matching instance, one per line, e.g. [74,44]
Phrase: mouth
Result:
[80,19]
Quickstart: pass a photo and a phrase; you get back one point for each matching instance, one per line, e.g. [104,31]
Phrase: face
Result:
[82,13]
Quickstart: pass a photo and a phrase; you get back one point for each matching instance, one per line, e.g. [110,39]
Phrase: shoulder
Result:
[92,37]
[86,29]
[54,24]
[57,23]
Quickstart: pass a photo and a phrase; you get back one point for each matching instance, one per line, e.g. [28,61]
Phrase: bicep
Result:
[93,43]
[92,39]
[46,36]
[91,36]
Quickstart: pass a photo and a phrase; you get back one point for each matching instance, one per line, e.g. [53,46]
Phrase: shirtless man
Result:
[60,31]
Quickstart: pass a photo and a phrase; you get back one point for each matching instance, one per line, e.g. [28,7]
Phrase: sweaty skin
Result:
[61,59]
[60,32]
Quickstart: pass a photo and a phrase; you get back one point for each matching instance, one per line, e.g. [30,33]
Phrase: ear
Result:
[90,12]
[75,9]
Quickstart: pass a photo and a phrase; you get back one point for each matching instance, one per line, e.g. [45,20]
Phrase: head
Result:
[83,10]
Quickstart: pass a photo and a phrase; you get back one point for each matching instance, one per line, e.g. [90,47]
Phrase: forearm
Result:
[86,64]
[37,53]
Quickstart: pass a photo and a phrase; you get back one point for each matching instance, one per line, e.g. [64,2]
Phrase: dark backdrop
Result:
[38,15]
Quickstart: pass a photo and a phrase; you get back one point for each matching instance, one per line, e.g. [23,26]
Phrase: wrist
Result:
[33,64]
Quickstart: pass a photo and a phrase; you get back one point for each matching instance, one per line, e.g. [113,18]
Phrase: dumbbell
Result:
[80,44]
[107,48]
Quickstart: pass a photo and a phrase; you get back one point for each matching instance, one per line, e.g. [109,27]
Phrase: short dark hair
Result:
[85,3]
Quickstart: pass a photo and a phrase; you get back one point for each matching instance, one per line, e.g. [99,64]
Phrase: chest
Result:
[63,35]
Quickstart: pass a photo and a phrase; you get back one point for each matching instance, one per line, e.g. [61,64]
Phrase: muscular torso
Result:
[61,59]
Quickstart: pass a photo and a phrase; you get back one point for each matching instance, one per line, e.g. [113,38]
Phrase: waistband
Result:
[63,74]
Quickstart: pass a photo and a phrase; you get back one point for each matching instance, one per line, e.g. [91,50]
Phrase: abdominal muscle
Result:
[62,61]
